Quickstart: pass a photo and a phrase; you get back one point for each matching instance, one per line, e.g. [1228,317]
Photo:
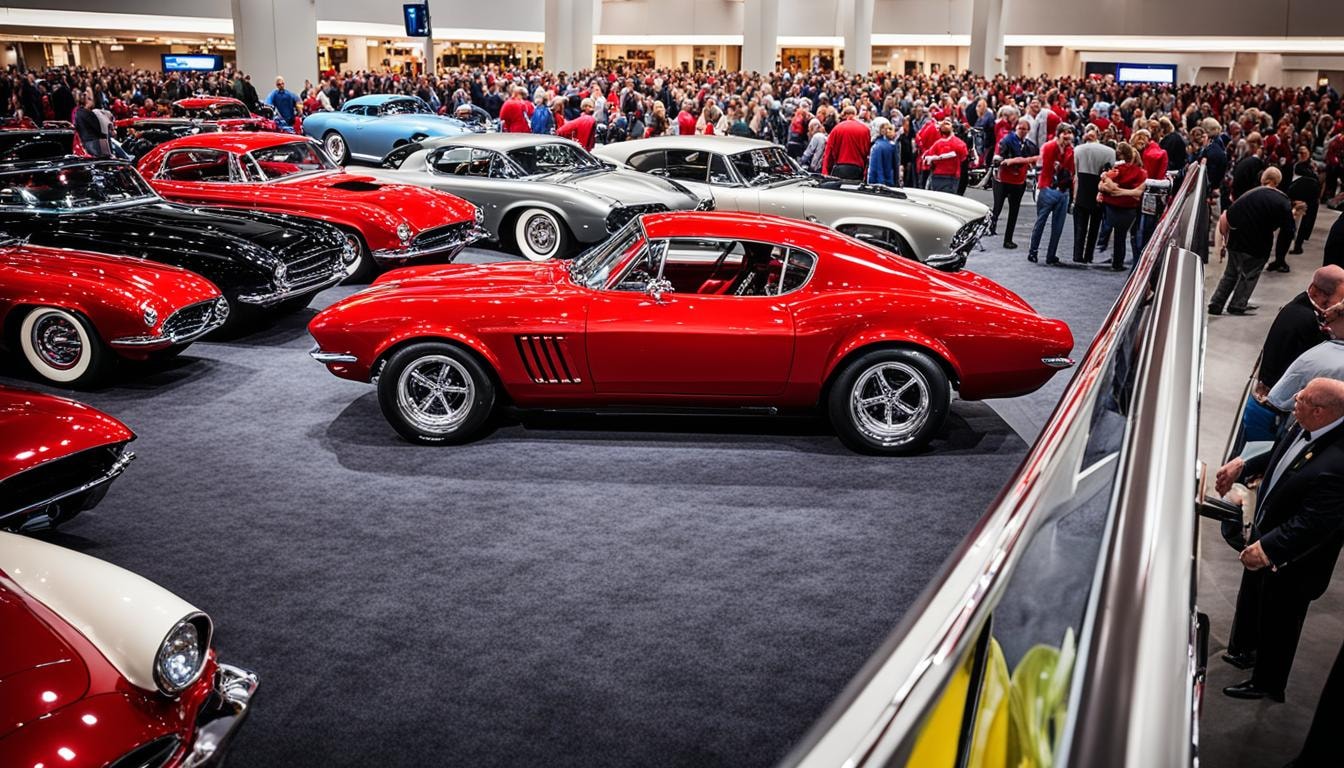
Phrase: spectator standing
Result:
[847,147]
[1246,173]
[884,161]
[1334,163]
[1015,156]
[1120,191]
[686,119]
[1305,188]
[1091,159]
[582,128]
[90,130]
[1248,227]
[543,121]
[815,154]
[945,158]
[1154,161]
[515,115]
[1054,189]
[285,103]
[1172,142]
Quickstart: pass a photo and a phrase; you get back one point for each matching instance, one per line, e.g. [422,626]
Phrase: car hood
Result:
[468,279]
[422,208]
[960,210]
[135,279]
[966,208]
[627,188]
[37,428]
[39,671]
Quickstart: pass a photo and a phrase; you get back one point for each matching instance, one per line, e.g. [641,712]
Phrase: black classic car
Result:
[140,135]
[259,261]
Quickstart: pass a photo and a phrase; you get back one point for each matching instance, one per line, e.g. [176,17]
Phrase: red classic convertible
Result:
[72,313]
[101,668]
[229,114]
[391,224]
[57,458]
[693,310]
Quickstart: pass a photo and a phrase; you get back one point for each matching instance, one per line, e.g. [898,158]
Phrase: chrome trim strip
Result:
[1058,362]
[217,319]
[396,255]
[327,358]
[116,469]
[269,299]
[235,687]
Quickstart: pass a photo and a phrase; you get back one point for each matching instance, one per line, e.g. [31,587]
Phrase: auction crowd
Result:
[1103,152]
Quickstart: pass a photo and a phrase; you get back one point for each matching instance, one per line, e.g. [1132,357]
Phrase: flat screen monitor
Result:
[1146,73]
[192,62]
[417,19]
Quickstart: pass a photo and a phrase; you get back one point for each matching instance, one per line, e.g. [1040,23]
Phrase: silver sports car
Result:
[750,175]
[541,195]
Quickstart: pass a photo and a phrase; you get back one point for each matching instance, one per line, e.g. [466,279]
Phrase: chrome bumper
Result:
[41,520]
[331,357]
[275,297]
[222,715]
[388,256]
[1058,362]
[219,316]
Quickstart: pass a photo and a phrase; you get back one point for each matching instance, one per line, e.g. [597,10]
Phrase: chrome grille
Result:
[969,235]
[545,360]
[619,217]
[51,478]
[192,319]
[444,237]
[311,268]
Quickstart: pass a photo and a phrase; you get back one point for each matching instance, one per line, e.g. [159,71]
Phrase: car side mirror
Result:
[657,287]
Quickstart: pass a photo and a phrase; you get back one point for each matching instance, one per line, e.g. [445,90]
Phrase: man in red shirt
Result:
[581,128]
[1153,158]
[515,116]
[847,148]
[944,159]
[925,138]
[1055,188]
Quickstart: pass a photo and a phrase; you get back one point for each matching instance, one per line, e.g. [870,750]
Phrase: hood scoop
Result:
[357,186]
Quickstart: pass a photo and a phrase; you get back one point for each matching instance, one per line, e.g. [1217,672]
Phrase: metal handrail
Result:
[887,700]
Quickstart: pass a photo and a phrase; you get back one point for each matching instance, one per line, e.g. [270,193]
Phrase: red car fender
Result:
[428,331]
[905,337]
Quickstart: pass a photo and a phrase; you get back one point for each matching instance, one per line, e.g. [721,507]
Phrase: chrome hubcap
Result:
[890,402]
[336,147]
[541,234]
[56,341]
[435,393]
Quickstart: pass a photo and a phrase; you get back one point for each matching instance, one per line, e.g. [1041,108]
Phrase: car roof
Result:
[378,99]
[734,225]
[501,142]
[728,145]
[237,141]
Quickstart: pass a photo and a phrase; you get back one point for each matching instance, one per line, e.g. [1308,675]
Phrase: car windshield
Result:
[592,267]
[225,110]
[405,107]
[72,187]
[767,165]
[552,157]
[292,159]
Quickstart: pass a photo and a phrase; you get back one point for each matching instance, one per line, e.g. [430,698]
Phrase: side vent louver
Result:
[545,360]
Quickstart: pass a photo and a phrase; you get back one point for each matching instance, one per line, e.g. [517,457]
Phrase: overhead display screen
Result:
[417,19]
[191,62]
[1145,73]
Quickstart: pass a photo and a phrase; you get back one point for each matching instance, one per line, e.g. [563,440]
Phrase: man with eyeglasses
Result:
[1294,541]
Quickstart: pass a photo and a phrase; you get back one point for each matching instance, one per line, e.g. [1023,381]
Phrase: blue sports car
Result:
[368,127]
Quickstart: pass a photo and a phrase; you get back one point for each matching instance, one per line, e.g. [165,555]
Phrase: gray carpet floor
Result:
[567,590]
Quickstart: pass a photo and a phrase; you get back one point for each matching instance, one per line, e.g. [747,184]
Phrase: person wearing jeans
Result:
[1015,156]
[1091,159]
[1120,190]
[1055,183]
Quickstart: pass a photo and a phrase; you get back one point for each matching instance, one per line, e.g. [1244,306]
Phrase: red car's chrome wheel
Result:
[890,401]
[435,393]
[61,346]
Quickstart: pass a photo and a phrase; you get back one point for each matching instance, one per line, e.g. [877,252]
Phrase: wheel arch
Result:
[13,319]
[463,341]
[864,221]
[508,219]
[863,345]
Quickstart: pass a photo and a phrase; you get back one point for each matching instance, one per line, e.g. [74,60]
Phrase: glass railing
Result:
[1063,629]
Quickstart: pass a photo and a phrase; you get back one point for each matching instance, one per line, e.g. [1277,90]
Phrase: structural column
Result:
[276,37]
[760,35]
[987,54]
[357,54]
[857,25]
[569,26]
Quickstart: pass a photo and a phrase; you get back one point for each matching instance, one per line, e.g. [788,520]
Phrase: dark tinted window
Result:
[687,165]
[647,161]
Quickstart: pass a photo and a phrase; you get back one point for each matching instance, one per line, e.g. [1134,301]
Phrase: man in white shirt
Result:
[1325,360]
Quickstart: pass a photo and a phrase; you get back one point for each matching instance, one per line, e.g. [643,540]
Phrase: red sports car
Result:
[101,668]
[390,224]
[693,310]
[72,313]
[57,458]
[229,114]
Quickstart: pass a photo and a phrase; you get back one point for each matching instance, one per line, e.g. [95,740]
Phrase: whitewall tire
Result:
[540,235]
[62,347]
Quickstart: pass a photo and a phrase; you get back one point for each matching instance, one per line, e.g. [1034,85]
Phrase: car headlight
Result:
[222,309]
[281,273]
[480,215]
[181,656]
[404,233]
[151,314]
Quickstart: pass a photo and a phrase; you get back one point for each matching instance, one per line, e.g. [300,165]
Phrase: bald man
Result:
[1248,228]
[1294,541]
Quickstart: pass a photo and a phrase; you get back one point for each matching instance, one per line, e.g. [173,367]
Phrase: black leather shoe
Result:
[1215,311]
[1249,310]
[1296,251]
[1052,262]
[1248,690]
[1240,660]
[1010,245]
[1031,257]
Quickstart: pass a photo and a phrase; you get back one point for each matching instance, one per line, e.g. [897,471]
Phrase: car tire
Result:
[890,401]
[336,146]
[62,347]
[539,235]
[421,413]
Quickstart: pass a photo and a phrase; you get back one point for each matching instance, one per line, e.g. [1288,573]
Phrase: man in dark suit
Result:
[1295,539]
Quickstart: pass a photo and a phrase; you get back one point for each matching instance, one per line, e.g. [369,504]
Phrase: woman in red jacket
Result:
[1120,192]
